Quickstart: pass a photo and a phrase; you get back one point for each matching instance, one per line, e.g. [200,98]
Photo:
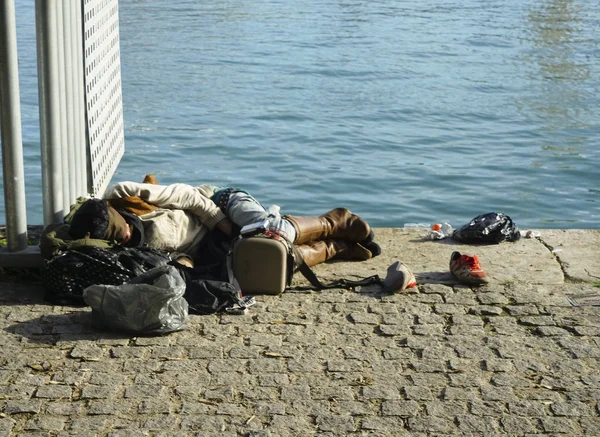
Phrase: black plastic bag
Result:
[493,227]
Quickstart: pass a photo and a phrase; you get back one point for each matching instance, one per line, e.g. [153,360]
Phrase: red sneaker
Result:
[467,269]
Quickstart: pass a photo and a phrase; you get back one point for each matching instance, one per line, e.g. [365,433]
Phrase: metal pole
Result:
[48,84]
[62,120]
[70,144]
[80,141]
[12,141]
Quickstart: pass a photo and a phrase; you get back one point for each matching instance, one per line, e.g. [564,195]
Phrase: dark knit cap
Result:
[91,218]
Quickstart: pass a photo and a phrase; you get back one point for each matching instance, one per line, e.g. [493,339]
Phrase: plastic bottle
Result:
[440,231]
[417,226]
[274,209]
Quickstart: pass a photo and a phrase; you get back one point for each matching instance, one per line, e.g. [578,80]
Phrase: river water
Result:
[404,111]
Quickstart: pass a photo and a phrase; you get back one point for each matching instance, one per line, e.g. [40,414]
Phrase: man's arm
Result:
[176,196]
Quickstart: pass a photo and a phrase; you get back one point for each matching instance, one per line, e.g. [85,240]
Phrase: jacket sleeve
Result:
[176,196]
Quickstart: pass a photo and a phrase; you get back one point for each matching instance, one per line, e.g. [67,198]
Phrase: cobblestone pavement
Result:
[512,358]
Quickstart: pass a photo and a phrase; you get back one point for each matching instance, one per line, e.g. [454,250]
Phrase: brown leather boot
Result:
[150,179]
[317,252]
[339,223]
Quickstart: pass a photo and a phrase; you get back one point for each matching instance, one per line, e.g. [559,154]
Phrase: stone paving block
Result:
[461,394]
[558,425]
[295,392]
[227,365]
[22,406]
[65,408]
[370,355]
[537,320]
[428,365]
[354,408]
[330,422]
[571,408]
[487,408]
[474,331]
[265,340]
[461,299]
[334,393]
[6,425]
[306,407]
[273,380]
[590,425]
[365,318]
[87,352]
[99,392]
[260,393]
[583,395]
[515,425]
[427,330]
[527,408]
[429,380]
[54,392]
[382,424]
[96,378]
[417,393]
[292,422]
[127,433]
[431,425]
[471,379]
[161,422]
[483,424]
[379,392]
[394,330]
[141,391]
[498,365]
[399,408]
[154,406]
[467,347]
[447,409]
[89,423]
[73,434]
[485,310]
[531,366]
[133,366]
[241,352]
[269,408]
[510,380]
[345,366]
[111,407]
[168,352]
[45,423]
[522,310]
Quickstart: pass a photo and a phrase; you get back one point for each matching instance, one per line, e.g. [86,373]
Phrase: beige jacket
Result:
[183,217]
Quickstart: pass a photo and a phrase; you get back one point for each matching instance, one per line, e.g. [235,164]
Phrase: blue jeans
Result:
[243,209]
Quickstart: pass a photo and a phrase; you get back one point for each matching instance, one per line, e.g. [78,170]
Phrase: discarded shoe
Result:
[467,269]
[398,278]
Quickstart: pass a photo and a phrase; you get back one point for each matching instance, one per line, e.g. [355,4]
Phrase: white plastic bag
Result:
[151,303]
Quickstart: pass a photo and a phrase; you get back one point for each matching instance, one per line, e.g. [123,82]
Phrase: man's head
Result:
[96,218]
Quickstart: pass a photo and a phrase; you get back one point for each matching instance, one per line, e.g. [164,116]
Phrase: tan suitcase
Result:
[262,264]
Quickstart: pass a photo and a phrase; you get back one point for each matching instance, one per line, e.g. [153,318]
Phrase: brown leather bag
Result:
[262,264]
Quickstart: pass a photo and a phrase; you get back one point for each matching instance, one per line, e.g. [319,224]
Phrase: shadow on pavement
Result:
[53,328]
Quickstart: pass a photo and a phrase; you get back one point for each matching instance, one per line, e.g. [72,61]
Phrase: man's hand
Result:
[225,226]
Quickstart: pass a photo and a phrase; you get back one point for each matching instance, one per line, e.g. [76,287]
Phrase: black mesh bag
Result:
[67,274]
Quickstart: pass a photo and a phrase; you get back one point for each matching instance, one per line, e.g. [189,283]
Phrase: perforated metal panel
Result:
[103,90]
